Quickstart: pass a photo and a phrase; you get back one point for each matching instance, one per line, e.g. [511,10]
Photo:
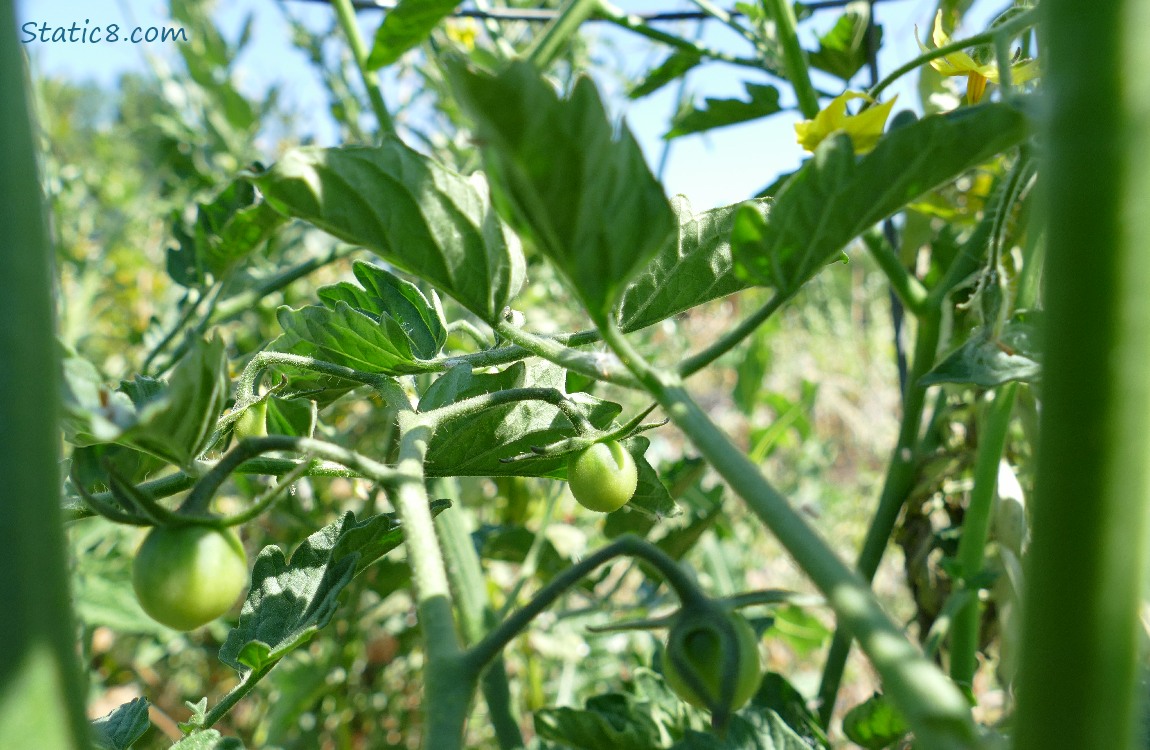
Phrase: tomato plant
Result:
[187,576]
[602,477]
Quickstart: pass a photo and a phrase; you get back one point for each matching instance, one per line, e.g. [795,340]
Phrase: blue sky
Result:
[722,167]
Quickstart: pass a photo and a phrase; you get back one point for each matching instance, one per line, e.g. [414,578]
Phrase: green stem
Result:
[794,58]
[200,497]
[559,32]
[1087,562]
[975,532]
[41,699]
[466,576]
[934,707]
[897,485]
[909,289]
[685,588]
[236,694]
[1011,28]
[731,338]
[346,14]
[603,367]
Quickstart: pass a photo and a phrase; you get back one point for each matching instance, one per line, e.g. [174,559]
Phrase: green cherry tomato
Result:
[187,576]
[696,644]
[603,477]
[253,422]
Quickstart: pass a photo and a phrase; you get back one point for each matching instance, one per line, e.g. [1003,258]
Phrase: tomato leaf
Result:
[988,360]
[762,101]
[290,600]
[675,66]
[404,26]
[874,724]
[693,268]
[387,325]
[843,50]
[208,739]
[122,727]
[473,445]
[835,196]
[415,213]
[567,178]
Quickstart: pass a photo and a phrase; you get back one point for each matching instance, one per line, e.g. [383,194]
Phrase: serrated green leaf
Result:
[404,26]
[347,337]
[424,218]
[474,444]
[675,66]
[987,360]
[834,197]
[874,724]
[226,230]
[843,50]
[208,739]
[762,101]
[567,178]
[174,420]
[693,268]
[290,600]
[122,727]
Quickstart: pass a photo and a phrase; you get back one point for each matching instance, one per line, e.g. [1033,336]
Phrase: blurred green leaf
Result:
[987,360]
[762,101]
[404,26]
[122,727]
[843,51]
[675,66]
[874,724]
[567,178]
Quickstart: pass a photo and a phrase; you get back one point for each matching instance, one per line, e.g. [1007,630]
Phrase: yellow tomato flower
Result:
[864,129]
[959,63]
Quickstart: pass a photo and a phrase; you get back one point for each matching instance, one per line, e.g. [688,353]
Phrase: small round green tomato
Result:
[187,576]
[603,477]
[253,422]
[696,644]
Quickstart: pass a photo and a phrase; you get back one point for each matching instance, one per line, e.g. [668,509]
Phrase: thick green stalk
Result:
[466,576]
[897,485]
[450,679]
[41,703]
[798,73]
[1086,568]
[976,531]
[346,14]
[934,707]
[559,32]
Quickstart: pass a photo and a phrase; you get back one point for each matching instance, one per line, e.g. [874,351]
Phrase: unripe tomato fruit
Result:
[603,477]
[253,422]
[187,576]
[699,643]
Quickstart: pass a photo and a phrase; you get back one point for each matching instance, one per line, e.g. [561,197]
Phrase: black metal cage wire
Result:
[543,15]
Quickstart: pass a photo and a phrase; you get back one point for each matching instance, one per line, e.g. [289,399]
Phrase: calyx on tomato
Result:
[187,576]
[602,477]
[712,659]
